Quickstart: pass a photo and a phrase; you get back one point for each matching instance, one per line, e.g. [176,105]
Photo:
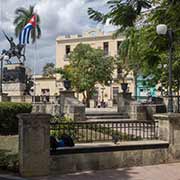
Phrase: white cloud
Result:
[58,17]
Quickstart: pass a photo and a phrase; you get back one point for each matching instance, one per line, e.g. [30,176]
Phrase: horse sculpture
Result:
[15,50]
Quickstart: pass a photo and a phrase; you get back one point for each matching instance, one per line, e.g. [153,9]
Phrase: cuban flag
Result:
[25,33]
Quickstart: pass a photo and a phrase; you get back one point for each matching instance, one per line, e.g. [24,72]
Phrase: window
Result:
[45,92]
[106,48]
[68,49]
[67,52]
[118,46]
[45,95]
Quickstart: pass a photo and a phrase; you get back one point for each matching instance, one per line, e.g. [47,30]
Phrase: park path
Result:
[156,172]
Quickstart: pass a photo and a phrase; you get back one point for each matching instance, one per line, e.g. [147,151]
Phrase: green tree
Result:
[49,69]
[121,13]
[89,66]
[143,51]
[23,16]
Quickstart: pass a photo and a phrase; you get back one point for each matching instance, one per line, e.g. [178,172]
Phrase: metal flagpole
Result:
[35,58]
[1,57]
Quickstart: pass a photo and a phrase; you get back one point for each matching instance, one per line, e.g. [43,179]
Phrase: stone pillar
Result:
[124,102]
[63,95]
[34,132]
[169,130]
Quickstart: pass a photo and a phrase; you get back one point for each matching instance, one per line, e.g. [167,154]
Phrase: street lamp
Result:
[162,29]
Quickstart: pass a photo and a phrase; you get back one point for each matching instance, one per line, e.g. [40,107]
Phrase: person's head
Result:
[11,38]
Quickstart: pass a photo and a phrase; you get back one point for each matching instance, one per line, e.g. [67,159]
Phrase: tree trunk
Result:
[135,85]
[88,96]
[178,95]
[84,98]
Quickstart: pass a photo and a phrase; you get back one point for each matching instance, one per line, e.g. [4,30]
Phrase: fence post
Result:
[169,130]
[34,144]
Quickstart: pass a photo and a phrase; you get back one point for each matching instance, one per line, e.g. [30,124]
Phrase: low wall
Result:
[49,108]
[35,159]
[9,144]
[109,156]
[144,111]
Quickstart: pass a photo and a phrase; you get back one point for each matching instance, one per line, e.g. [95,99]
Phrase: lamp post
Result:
[1,59]
[162,29]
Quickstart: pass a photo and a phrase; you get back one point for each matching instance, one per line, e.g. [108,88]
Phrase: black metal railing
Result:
[102,131]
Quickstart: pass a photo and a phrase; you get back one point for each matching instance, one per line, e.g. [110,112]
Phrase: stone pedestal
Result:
[169,130]
[71,106]
[63,95]
[14,89]
[14,78]
[34,145]
[124,102]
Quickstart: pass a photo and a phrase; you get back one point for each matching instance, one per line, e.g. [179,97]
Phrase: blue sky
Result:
[58,17]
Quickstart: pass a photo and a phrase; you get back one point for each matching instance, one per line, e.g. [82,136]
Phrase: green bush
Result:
[8,119]
[9,161]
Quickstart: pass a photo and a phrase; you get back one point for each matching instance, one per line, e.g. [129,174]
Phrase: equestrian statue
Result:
[15,50]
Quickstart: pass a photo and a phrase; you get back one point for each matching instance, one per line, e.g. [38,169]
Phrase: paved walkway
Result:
[156,172]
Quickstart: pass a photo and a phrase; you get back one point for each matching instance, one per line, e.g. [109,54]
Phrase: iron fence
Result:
[101,131]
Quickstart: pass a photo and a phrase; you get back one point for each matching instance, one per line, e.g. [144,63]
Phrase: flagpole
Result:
[35,58]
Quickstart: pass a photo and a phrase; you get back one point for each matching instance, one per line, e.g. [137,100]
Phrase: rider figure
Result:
[12,46]
[14,50]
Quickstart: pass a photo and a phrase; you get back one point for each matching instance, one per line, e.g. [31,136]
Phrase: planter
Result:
[124,87]
[67,84]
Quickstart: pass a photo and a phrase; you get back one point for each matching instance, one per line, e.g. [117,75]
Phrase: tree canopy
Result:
[49,69]
[87,67]
[143,51]
[23,16]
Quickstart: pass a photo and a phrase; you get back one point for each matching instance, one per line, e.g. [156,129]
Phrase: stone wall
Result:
[127,156]
[136,110]
[9,144]
[74,109]
[35,159]
[169,130]
[49,108]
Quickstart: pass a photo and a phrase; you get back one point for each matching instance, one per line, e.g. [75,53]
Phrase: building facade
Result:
[96,39]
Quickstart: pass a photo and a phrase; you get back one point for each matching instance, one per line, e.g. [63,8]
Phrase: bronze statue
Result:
[15,50]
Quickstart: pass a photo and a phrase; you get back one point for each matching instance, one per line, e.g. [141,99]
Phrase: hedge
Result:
[8,119]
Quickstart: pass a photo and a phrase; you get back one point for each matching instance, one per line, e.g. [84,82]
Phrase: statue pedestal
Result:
[14,78]
[63,95]
[14,89]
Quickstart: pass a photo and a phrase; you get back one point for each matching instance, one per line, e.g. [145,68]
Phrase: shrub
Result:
[9,161]
[8,119]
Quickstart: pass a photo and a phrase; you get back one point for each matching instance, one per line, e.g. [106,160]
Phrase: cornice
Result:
[87,39]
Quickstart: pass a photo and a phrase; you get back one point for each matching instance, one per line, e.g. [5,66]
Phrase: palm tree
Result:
[23,16]
[123,13]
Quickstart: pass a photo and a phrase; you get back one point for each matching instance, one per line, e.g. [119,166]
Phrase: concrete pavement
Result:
[156,172]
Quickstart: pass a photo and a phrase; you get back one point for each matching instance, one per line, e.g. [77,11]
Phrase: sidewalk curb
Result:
[10,177]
